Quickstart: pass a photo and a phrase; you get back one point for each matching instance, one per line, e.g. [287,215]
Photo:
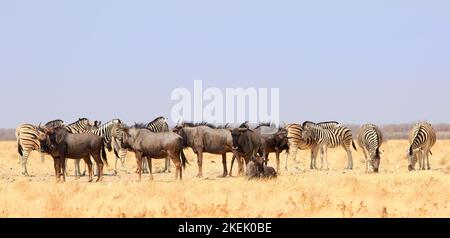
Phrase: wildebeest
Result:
[150,145]
[61,144]
[264,139]
[206,138]
[246,145]
[256,168]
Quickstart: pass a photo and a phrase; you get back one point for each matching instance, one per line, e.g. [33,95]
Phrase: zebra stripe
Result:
[27,141]
[158,125]
[54,123]
[330,138]
[105,131]
[83,125]
[422,138]
[370,140]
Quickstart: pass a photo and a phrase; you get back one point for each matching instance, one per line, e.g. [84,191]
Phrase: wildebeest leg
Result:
[88,162]
[240,160]
[232,164]
[277,154]
[224,163]
[63,168]
[150,169]
[200,164]
[139,164]
[57,169]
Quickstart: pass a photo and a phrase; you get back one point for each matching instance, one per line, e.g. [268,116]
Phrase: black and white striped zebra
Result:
[330,138]
[296,141]
[26,135]
[422,138]
[370,140]
[157,125]
[83,125]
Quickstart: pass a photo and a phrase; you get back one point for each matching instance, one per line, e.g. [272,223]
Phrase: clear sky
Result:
[352,61]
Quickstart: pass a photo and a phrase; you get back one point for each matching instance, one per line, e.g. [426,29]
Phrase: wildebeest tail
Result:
[103,154]
[354,146]
[183,158]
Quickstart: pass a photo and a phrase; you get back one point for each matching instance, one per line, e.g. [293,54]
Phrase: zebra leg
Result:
[23,162]
[150,169]
[350,159]
[292,153]
[314,154]
[322,155]
[326,158]
[42,158]
[200,164]
[145,166]
[77,168]
[167,166]
[428,160]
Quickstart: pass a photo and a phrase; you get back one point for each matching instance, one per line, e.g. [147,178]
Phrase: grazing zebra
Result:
[27,141]
[330,138]
[105,132]
[156,126]
[370,139]
[296,141]
[422,138]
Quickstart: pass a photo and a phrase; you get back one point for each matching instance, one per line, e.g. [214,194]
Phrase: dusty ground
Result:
[297,192]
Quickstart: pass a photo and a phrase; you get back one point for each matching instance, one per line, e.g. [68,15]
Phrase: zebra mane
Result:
[140,125]
[157,119]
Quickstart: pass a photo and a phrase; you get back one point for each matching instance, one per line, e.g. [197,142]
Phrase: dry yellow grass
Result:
[298,192]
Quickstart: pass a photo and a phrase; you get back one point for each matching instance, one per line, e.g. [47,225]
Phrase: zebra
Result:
[330,138]
[296,141]
[422,138]
[26,135]
[83,125]
[370,140]
[158,125]
[105,132]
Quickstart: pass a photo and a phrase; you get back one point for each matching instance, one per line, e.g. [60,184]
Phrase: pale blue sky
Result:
[352,61]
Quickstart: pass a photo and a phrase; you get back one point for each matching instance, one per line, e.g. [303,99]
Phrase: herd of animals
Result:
[249,146]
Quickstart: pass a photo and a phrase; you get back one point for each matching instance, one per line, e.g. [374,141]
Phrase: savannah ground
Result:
[299,192]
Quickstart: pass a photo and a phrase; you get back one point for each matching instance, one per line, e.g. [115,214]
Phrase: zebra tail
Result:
[104,158]
[411,151]
[19,148]
[354,146]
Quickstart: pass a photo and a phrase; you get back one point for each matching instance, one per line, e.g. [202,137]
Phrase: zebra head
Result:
[308,129]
